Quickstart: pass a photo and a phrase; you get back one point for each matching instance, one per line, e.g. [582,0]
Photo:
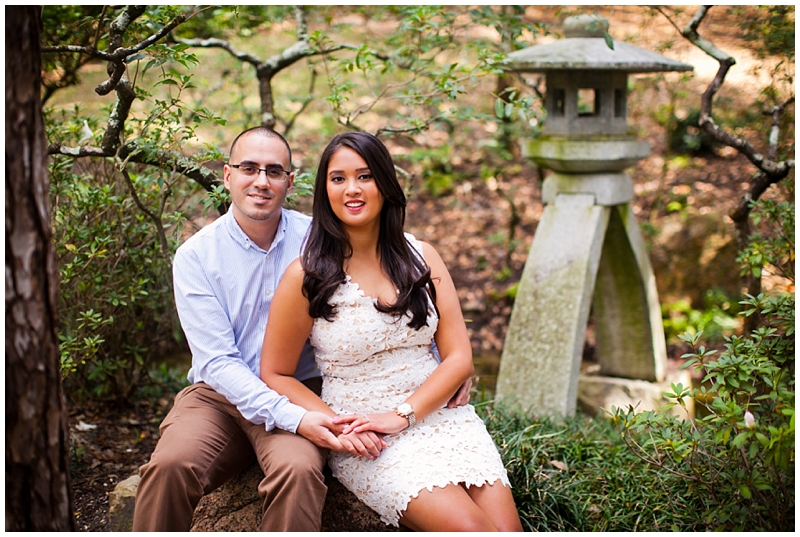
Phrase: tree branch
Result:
[220,43]
[58,148]
[116,121]
[131,152]
[774,171]
[162,236]
[306,102]
[187,166]
[116,30]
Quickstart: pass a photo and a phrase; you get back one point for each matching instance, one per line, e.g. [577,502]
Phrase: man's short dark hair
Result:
[266,132]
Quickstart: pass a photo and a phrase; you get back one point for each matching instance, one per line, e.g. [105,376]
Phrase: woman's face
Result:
[352,190]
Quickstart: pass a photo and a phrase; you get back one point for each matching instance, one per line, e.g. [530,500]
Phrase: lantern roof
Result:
[585,48]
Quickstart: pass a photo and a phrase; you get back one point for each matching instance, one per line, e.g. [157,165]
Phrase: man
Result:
[224,277]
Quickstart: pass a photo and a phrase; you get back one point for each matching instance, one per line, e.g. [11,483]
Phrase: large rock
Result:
[598,394]
[235,506]
[120,504]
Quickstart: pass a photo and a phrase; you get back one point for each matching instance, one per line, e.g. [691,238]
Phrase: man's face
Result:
[257,198]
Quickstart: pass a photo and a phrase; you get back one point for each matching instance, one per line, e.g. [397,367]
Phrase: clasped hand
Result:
[334,434]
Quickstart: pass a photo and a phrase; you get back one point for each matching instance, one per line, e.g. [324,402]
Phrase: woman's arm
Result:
[288,329]
[455,350]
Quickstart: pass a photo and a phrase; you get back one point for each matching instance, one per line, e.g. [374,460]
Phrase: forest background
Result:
[137,139]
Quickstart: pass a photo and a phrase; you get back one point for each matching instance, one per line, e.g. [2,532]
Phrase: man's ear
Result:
[226,177]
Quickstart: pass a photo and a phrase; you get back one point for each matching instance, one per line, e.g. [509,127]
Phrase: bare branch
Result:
[775,170]
[186,166]
[690,33]
[97,31]
[301,22]
[58,148]
[774,131]
[116,67]
[306,102]
[220,43]
[88,51]
[162,236]
[116,121]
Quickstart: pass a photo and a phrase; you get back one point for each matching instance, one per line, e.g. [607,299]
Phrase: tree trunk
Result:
[38,496]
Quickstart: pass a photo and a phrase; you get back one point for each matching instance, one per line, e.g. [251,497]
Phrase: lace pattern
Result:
[372,362]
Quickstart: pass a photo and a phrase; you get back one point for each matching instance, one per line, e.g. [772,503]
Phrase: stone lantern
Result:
[587,252]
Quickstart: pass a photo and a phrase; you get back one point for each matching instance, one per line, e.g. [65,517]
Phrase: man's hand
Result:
[320,429]
[461,397]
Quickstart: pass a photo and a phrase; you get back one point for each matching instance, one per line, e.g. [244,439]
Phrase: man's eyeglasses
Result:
[274,173]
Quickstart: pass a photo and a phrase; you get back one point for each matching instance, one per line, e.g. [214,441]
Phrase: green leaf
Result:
[499,108]
[745,491]
[609,40]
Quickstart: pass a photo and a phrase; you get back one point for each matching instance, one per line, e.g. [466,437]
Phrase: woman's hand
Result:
[384,423]
[362,444]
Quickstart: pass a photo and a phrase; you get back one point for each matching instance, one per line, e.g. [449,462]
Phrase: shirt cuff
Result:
[289,417]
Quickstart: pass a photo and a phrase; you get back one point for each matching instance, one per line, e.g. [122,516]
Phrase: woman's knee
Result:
[446,509]
[472,522]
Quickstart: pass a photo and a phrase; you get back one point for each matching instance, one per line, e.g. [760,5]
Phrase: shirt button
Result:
[269,293]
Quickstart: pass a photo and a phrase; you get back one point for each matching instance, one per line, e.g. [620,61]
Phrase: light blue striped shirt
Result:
[224,285]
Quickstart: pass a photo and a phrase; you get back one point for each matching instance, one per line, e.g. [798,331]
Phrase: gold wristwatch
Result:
[407,411]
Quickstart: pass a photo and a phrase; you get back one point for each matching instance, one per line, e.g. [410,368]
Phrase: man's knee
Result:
[170,467]
[292,451]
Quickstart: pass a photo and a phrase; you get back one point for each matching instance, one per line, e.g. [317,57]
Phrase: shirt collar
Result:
[241,237]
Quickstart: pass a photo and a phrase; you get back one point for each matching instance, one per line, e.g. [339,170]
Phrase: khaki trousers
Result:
[204,442]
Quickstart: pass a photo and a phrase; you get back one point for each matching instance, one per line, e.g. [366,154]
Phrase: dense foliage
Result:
[737,457]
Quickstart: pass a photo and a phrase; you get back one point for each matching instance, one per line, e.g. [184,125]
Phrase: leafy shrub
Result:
[116,308]
[716,320]
[772,243]
[738,461]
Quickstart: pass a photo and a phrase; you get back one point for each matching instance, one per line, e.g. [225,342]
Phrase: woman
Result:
[372,299]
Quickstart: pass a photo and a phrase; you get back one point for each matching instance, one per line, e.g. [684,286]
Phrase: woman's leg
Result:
[445,509]
[497,502]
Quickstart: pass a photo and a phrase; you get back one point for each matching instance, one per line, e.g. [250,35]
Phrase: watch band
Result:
[407,411]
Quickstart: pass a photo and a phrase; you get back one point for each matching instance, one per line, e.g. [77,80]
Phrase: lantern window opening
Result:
[559,102]
[588,102]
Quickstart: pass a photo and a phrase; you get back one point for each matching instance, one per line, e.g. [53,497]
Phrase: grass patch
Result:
[577,474]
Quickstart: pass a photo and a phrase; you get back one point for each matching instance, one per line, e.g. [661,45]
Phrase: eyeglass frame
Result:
[265,170]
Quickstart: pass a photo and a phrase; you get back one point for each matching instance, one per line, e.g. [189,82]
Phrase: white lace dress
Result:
[371,363]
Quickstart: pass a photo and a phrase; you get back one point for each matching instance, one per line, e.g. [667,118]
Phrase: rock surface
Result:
[235,506]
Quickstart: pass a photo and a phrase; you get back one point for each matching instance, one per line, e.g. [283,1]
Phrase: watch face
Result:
[405,408]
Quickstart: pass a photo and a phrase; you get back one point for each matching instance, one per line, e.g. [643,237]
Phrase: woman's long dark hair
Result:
[328,246]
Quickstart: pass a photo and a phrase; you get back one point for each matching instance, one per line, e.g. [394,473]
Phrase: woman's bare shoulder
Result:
[293,275]
[432,257]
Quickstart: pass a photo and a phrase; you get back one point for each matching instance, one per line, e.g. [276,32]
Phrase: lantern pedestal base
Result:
[583,254]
